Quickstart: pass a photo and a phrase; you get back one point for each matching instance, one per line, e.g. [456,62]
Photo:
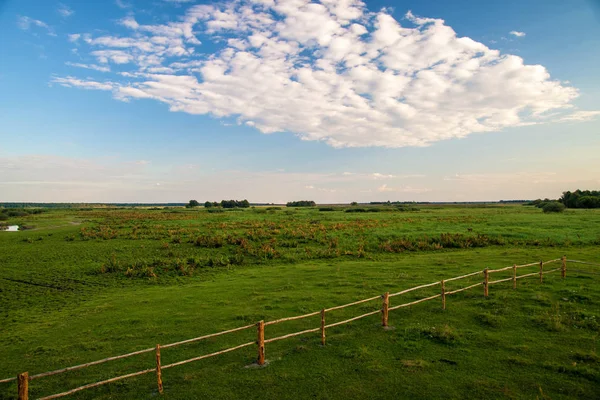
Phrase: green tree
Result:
[301,203]
[192,203]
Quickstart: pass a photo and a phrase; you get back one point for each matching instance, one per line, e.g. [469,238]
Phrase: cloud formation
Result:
[25,23]
[331,71]
[517,33]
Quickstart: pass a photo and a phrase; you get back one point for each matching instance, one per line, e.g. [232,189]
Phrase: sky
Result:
[278,100]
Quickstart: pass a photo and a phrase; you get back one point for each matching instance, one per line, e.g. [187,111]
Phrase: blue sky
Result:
[273,101]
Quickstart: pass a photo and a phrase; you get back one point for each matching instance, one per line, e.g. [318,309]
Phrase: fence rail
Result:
[24,378]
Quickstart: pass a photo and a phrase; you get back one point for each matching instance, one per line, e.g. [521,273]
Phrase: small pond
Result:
[11,228]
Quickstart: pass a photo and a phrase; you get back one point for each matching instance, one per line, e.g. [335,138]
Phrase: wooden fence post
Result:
[541,271]
[563,271]
[384,310]
[514,276]
[261,342]
[323,327]
[486,279]
[443,295]
[158,370]
[23,385]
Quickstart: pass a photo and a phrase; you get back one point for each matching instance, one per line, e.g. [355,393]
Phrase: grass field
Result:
[81,285]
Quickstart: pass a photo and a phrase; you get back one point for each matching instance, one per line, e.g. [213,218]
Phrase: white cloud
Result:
[70,81]
[331,71]
[122,4]
[404,189]
[517,33]
[25,23]
[377,175]
[64,10]
[89,66]
[115,56]
[74,37]
[580,116]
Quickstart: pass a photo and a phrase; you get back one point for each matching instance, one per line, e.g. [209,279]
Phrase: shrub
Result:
[211,242]
[553,206]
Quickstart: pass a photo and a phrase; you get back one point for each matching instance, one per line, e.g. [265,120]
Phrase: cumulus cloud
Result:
[331,71]
[517,33]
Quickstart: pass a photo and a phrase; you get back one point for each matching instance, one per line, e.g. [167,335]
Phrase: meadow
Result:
[80,285]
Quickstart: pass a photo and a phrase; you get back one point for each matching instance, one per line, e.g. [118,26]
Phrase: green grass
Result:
[60,307]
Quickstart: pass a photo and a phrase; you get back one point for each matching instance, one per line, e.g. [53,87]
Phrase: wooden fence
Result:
[24,378]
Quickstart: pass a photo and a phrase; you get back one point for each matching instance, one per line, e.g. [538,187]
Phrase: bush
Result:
[553,206]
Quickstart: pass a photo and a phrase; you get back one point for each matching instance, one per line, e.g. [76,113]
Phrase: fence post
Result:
[384,310]
[261,342]
[158,370]
[514,276]
[23,385]
[486,279]
[563,271]
[323,327]
[541,271]
[443,295]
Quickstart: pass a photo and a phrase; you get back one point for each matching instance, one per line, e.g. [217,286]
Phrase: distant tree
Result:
[354,203]
[244,203]
[192,203]
[301,203]
[233,204]
[228,203]
[208,204]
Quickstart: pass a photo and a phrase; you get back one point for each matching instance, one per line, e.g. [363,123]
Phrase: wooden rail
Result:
[24,378]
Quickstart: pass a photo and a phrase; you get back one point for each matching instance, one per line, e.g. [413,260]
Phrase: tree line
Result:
[223,204]
[301,203]
[581,199]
